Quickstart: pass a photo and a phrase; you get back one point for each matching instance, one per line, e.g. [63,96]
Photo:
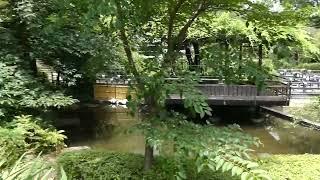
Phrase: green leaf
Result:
[219,164]
[252,165]
[182,175]
[63,174]
[239,171]
[244,176]
[234,170]
[211,167]
[197,108]
[200,168]
[229,166]
[208,113]
[202,114]
[264,177]
[225,166]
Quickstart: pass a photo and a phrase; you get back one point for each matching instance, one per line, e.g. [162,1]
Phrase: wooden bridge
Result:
[302,82]
[240,95]
[273,94]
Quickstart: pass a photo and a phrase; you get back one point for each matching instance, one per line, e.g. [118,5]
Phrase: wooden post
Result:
[240,60]
[240,54]
[289,88]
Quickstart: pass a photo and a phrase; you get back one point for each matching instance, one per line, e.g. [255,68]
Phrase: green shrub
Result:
[39,137]
[97,165]
[309,66]
[29,167]
[24,134]
[90,164]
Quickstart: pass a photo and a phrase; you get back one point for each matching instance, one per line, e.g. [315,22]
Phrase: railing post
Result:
[289,89]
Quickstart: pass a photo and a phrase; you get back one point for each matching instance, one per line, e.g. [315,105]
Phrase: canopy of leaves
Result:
[20,92]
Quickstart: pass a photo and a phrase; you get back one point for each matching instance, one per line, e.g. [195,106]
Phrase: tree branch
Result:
[172,16]
[126,44]
[183,32]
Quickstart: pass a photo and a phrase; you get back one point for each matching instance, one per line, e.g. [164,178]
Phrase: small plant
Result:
[23,134]
[38,138]
[27,167]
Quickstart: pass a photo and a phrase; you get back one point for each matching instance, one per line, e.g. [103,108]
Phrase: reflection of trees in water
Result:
[111,122]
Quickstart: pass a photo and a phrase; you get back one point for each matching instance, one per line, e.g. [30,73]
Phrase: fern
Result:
[30,168]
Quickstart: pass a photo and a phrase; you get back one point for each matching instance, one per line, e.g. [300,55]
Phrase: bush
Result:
[39,137]
[24,134]
[101,165]
[309,66]
[29,167]
[90,164]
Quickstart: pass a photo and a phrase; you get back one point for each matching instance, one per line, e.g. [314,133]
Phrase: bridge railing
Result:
[244,90]
[215,87]
[301,81]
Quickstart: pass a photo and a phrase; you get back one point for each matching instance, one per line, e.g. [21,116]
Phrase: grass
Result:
[309,111]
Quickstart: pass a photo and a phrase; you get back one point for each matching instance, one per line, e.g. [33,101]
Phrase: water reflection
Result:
[104,128]
[281,137]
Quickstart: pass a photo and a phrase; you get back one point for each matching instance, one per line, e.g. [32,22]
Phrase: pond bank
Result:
[286,116]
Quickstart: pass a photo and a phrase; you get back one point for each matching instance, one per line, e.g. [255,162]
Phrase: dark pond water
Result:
[104,128]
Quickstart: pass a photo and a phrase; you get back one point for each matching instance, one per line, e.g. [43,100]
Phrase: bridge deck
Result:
[217,94]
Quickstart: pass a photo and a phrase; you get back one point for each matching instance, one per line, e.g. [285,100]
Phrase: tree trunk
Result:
[296,57]
[240,55]
[153,110]
[148,157]
[196,48]
[188,54]
[260,53]
[126,44]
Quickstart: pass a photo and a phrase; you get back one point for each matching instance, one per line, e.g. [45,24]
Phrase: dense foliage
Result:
[24,134]
[151,41]
[29,167]
[224,149]
[109,165]
[22,93]
[101,164]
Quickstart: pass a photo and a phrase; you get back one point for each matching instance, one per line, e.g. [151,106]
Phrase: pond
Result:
[105,128]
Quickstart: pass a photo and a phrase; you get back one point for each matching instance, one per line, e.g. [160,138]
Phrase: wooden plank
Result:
[225,90]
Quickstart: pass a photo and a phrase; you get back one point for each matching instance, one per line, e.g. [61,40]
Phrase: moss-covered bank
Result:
[293,167]
[108,165]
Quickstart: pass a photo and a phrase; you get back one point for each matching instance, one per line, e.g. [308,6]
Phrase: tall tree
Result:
[170,21]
